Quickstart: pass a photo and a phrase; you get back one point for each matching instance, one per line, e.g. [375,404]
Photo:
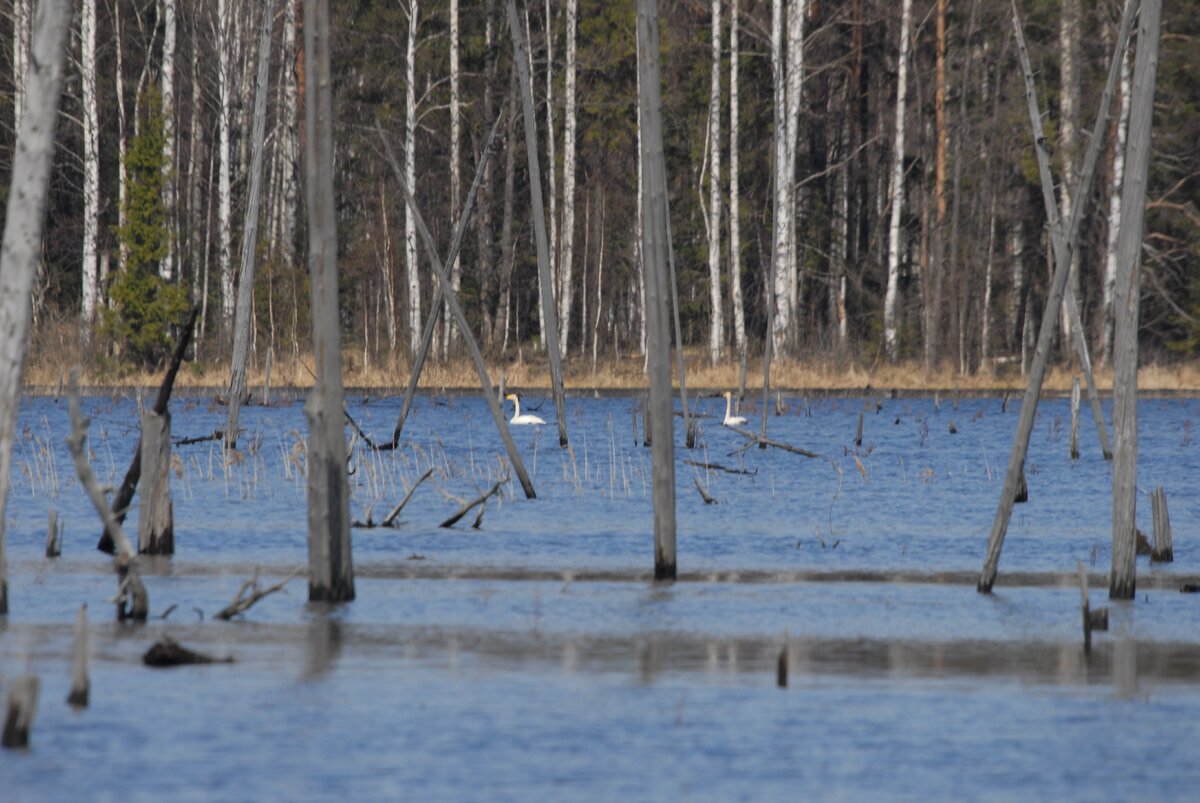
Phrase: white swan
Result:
[731,420]
[528,418]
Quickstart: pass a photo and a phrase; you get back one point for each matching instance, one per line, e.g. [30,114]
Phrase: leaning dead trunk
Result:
[23,230]
[331,571]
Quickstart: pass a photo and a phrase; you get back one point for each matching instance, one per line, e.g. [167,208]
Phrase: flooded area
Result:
[532,657]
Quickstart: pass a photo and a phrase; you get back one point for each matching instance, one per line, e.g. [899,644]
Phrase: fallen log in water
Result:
[167,652]
[763,441]
[718,467]
[18,717]
[708,500]
[217,434]
[450,522]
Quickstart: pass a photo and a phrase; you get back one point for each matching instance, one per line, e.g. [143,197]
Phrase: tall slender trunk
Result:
[783,185]
[455,136]
[197,221]
[639,257]
[897,190]
[91,168]
[567,241]
[1114,212]
[735,243]
[122,144]
[410,176]
[225,166]
[796,11]
[22,18]
[936,268]
[716,334]
[985,313]
[507,246]
[166,268]
[552,168]
[1068,108]
[288,149]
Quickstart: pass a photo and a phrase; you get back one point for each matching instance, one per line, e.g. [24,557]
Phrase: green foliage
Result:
[144,306]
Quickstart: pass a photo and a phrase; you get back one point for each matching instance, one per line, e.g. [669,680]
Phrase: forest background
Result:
[878,191]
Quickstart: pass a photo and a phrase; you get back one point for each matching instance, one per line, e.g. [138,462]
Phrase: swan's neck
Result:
[516,407]
[728,407]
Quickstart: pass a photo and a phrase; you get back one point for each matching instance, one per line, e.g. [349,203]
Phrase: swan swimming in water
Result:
[731,420]
[528,418]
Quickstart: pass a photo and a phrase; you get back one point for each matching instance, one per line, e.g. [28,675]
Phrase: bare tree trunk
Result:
[897,191]
[639,223]
[122,144]
[91,169]
[166,268]
[567,241]
[412,265]
[735,243]
[716,334]
[796,11]
[550,332]
[244,322]
[34,153]
[330,567]
[507,246]
[455,180]
[655,246]
[21,20]
[935,270]
[783,184]
[1068,109]
[288,149]
[1114,212]
[1127,298]
[225,166]
[156,517]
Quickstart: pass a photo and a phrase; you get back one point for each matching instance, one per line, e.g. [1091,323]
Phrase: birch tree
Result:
[735,245]
[89,117]
[166,268]
[716,334]
[782,288]
[410,175]
[796,10]
[455,179]
[21,246]
[567,241]
[224,163]
[1068,45]
[1114,212]
[897,190]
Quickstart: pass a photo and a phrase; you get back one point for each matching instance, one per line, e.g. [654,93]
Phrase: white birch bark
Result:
[20,60]
[410,175]
[640,223]
[224,165]
[567,262]
[782,288]
[716,334]
[735,244]
[795,75]
[166,268]
[1114,212]
[196,221]
[122,176]
[21,247]
[897,190]
[1068,42]
[455,180]
[552,167]
[91,168]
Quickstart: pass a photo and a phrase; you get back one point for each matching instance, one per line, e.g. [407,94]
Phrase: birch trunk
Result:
[1068,106]
[245,301]
[1114,212]
[21,247]
[20,60]
[122,175]
[288,149]
[655,247]
[796,10]
[196,220]
[224,166]
[166,268]
[552,173]
[639,223]
[412,267]
[330,567]
[782,286]
[1126,300]
[897,191]
[735,244]
[455,179]
[716,335]
[567,262]
[91,169]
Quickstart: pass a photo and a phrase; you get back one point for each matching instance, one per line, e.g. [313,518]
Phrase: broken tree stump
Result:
[1092,620]
[156,521]
[1162,552]
[858,431]
[18,717]
[53,535]
[80,685]
[1074,444]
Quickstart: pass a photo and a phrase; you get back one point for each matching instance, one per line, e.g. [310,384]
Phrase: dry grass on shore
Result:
[50,363]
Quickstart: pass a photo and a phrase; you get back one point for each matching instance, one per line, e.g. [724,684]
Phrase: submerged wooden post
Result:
[1074,444]
[21,249]
[550,313]
[1092,620]
[654,249]
[330,567]
[80,685]
[1163,551]
[18,716]
[156,520]
[1062,264]
[858,431]
[1126,301]
[53,535]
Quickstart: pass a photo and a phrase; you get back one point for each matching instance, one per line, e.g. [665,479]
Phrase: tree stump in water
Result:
[1162,552]
[156,526]
[18,718]
[53,535]
[80,685]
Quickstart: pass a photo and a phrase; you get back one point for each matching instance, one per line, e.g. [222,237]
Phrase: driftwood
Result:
[764,442]
[18,717]
[124,495]
[80,685]
[450,522]
[166,652]
[217,434]
[390,520]
[250,593]
[719,467]
[132,600]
